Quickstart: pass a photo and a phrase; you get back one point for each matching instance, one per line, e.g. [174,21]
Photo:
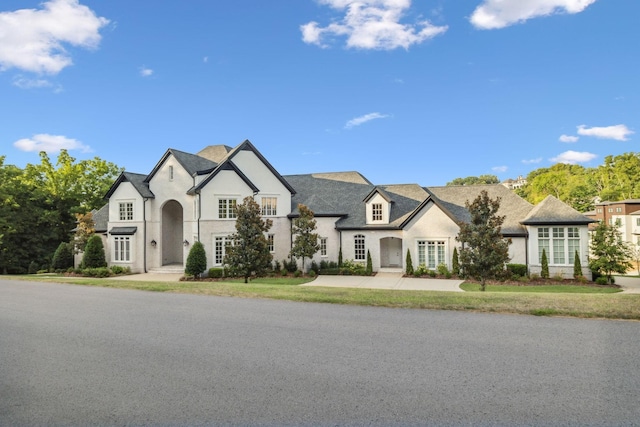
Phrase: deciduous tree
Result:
[484,251]
[305,242]
[609,253]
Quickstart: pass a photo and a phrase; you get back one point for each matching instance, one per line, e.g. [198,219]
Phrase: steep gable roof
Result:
[225,166]
[101,219]
[138,181]
[453,200]
[554,211]
[193,164]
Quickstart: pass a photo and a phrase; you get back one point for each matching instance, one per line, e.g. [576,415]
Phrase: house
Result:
[624,214]
[514,184]
[154,218]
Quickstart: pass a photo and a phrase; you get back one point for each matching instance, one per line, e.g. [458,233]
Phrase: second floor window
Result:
[269,206]
[126,211]
[376,212]
[227,208]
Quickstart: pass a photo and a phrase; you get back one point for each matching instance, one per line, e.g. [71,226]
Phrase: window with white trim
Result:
[269,206]
[270,243]
[323,246]
[431,253]
[220,246]
[126,211]
[618,209]
[122,249]
[359,251]
[376,212]
[227,208]
[559,243]
[638,222]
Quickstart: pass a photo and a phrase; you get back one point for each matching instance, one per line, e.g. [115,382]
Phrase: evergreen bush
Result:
[409,264]
[544,273]
[63,257]
[94,253]
[455,262]
[369,268]
[577,266]
[196,260]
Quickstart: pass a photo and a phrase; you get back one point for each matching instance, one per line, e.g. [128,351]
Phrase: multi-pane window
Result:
[269,206]
[618,209]
[431,253]
[323,246]
[126,211]
[376,211]
[638,222]
[270,243]
[610,209]
[220,248]
[359,247]
[559,243]
[543,242]
[227,208]
[122,249]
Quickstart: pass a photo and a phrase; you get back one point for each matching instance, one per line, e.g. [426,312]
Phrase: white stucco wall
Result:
[377,198]
[126,193]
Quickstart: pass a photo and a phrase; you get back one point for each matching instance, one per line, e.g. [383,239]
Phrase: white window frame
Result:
[122,249]
[125,210]
[271,243]
[226,208]
[269,206]
[323,246]
[376,212]
[220,244]
[431,252]
[359,247]
[560,244]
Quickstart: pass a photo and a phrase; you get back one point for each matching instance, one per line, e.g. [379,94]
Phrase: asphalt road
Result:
[74,355]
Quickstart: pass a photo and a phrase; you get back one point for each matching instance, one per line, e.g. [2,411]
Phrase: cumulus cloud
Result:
[145,72]
[50,144]
[493,14]
[499,169]
[532,161]
[371,24]
[33,39]
[568,138]
[363,119]
[617,132]
[573,157]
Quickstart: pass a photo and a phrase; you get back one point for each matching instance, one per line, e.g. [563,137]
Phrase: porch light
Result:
[153,243]
[185,243]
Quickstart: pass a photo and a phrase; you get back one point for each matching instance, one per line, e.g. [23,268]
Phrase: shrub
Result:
[196,260]
[323,265]
[63,257]
[545,265]
[33,267]
[442,269]
[517,270]
[297,273]
[340,257]
[291,266]
[421,270]
[352,268]
[455,262]
[216,272]
[312,273]
[577,266]
[284,272]
[94,253]
[276,265]
[369,268]
[602,280]
[96,272]
[535,276]
[409,264]
[431,273]
[117,269]
[42,271]
[315,267]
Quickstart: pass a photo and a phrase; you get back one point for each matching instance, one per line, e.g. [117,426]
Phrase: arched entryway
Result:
[391,252]
[172,236]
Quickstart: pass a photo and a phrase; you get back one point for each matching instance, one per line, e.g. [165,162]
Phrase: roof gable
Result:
[137,180]
[193,164]
[227,165]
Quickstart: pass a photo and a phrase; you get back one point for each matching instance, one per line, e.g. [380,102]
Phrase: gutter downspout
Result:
[144,233]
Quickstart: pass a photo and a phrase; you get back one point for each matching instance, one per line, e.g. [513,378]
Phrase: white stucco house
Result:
[153,219]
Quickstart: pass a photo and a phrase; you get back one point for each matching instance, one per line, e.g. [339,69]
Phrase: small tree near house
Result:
[409,264]
[544,272]
[455,262]
[609,253]
[305,243]
[63,257]
[484,250]
[369,269]
[94,256]
[577,266]
[196,260]
[249,253]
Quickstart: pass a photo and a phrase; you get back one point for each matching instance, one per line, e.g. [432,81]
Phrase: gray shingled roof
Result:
[101,218]
[513,207]
[192,163]
[553,211]
[138,181]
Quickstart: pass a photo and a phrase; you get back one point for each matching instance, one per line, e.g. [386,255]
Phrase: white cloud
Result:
[145,72]
[499,169]
[371,24]
[617,132]
[573,157]
[363,119]
[27,83]
[493,14]
[33,39]
[50,143]
[568,138]
[532,161]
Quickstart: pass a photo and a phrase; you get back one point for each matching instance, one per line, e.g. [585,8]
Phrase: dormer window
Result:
[376,212]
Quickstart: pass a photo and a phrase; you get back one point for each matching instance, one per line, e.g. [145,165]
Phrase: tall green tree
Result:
[94,256]
[249,252]
[475,180]
[609,253]
[484,251]
[305,242]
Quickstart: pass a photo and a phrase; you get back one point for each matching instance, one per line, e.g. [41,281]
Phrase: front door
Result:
[391,252]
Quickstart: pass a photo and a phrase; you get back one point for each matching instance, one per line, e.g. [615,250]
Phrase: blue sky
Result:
[403,91]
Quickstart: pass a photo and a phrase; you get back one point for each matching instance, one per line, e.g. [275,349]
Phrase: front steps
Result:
[168,269]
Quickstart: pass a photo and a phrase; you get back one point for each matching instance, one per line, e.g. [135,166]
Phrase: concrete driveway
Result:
[387,281]
[629,285]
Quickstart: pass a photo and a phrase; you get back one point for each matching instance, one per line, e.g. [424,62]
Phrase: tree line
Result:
[617,178]
[40,204]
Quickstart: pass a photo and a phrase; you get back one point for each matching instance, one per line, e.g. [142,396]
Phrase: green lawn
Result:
[551,289]
[551,303]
